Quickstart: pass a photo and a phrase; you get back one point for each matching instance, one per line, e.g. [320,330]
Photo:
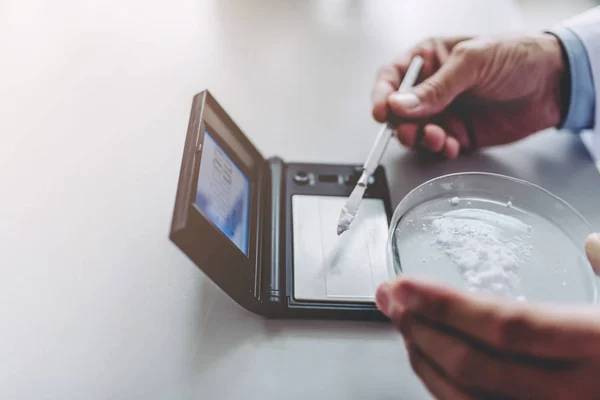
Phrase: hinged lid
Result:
[216,218]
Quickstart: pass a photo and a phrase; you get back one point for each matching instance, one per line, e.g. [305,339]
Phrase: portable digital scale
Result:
[265,230]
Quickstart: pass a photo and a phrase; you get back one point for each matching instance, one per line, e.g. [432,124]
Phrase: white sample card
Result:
[328,267]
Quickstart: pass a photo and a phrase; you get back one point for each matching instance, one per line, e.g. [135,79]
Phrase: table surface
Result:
[95,301]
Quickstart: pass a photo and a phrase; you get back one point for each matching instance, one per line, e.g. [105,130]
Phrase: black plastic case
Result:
[261,282]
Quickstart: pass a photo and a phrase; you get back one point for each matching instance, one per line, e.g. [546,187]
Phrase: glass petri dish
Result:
[496,234]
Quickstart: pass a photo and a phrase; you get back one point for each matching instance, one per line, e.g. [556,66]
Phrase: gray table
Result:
[96,303]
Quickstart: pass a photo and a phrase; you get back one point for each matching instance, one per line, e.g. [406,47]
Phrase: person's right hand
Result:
[475,92]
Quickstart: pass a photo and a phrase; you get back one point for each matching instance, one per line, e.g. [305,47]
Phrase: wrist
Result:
[558,89]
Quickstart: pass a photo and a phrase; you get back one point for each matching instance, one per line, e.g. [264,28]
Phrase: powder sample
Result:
[454,200]
[487,247]
[345,220]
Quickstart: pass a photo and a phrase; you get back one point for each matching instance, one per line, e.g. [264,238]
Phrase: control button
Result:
[350,180]
[301,178]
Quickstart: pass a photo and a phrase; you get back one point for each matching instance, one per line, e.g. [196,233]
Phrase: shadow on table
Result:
[222,327]
[407,170]
[556,161]
[330,330]
[571,174]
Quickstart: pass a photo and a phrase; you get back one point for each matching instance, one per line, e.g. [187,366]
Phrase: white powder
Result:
[487,247]
[454,201]
[345,220]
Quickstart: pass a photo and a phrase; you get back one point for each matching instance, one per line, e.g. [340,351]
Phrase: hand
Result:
[475,92]
[464,346]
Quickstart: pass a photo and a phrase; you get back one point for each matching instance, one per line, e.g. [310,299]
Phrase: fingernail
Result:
[382,299]
[407,100]
[592,250]
[408,297]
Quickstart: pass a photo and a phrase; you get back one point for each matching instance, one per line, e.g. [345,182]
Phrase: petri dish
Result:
[496,234]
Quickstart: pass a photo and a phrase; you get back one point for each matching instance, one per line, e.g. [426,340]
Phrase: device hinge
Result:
[274,225]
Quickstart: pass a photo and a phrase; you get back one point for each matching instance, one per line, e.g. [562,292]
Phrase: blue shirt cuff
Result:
[582,96]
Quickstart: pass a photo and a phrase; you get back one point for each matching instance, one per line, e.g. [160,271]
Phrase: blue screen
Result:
[223,193]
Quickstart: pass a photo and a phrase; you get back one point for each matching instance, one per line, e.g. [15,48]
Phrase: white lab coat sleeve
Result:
[587,27]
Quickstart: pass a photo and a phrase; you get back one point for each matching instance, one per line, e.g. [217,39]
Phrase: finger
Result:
[382,298]
[475,371]
[592,249]
[450,42]
[427,50]
[456,127]
[434,138]
[434,49]
[441,52]
[434,94]
[381,91]
[402,63]
[434,53]
[387,81]
[551,332]
[439,386]
[388,306]
[407,134]
[451,148]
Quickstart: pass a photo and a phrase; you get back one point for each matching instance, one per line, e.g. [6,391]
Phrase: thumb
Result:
[592,250]
[434,94]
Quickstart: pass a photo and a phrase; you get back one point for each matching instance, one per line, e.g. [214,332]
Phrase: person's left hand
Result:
[468,346]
